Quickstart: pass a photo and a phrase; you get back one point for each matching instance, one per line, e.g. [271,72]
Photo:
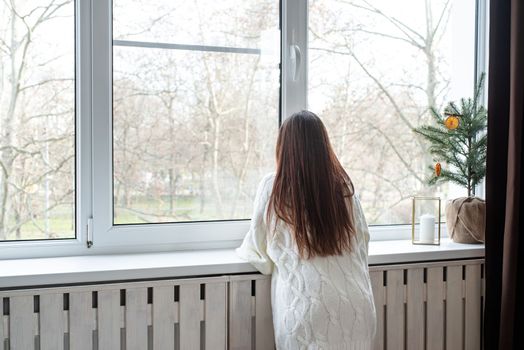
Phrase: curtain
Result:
[504,267]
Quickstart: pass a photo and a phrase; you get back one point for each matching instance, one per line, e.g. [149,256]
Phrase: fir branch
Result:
[462,150]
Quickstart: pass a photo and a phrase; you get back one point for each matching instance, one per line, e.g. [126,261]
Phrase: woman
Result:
[309,231]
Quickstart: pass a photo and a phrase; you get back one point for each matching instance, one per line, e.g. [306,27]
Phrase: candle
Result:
[427,228]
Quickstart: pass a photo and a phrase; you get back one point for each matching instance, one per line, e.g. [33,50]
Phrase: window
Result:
[37,126]
[146,125]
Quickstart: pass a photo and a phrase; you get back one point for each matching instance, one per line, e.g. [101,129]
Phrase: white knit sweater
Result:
[319,303]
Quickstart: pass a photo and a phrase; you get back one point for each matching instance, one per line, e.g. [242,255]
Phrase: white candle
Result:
[427,228]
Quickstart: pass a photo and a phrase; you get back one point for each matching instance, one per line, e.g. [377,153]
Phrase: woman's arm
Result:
[361,226]
[254,246]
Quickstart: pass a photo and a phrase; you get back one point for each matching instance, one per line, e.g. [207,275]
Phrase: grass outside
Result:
[143,210]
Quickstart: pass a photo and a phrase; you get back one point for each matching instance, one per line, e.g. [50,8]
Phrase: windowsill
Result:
[103,268]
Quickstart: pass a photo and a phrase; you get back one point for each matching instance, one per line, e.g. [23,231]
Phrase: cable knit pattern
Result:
[319,303]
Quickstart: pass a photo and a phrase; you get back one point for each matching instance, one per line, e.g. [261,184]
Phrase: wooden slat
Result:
[264,337]
[472,307]
[415,309]
[189,306]
[240,315]
[216,315]
[163,317]
[136,319]
[454,310]
[21,327]
[435,309]
[80,321]
[377,283]
[395,309]
[52,322]
[2,335]
[109,319]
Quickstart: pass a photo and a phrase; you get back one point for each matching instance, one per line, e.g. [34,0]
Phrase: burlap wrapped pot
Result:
[465,219]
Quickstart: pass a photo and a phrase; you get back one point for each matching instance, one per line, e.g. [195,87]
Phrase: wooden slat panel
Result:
[189,306]
[472,309]
[454,310]
[264,336]
[109,319]
[216,315]
[395,309]
[240,315]
[377,283]
[163,317]
[415,309]
[136,319]
[422,264]
[435,309]
[112,286]
[21,327]
[80,321]
[52,322]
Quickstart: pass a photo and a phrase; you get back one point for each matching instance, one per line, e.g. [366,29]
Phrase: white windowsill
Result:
[100,268]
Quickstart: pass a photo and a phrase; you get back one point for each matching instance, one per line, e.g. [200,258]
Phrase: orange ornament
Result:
[451,122]
[438,169]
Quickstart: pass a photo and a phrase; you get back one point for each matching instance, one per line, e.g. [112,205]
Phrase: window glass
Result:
[375,69]
[196,88]
[37,119]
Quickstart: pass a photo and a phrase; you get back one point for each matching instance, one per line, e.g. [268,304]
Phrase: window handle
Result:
[295,58]
[89,240]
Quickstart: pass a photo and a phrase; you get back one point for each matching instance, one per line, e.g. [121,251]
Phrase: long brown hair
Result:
[311,188]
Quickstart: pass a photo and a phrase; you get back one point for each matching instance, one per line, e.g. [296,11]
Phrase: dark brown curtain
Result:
[504,303]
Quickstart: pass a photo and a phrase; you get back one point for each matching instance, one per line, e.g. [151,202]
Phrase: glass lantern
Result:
[425,221]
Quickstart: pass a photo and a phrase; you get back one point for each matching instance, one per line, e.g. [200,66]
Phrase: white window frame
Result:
[94,177]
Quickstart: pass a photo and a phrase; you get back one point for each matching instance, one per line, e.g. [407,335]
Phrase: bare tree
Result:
[392,107]
[16,43]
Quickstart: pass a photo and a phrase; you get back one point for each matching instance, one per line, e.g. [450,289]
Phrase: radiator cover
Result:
[435,305]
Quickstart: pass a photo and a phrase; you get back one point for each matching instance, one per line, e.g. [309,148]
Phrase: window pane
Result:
[233,23]
[374,69]
[37,125]
[193,128]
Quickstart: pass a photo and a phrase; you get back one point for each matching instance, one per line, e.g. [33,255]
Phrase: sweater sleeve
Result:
[254,246]
[362,226]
